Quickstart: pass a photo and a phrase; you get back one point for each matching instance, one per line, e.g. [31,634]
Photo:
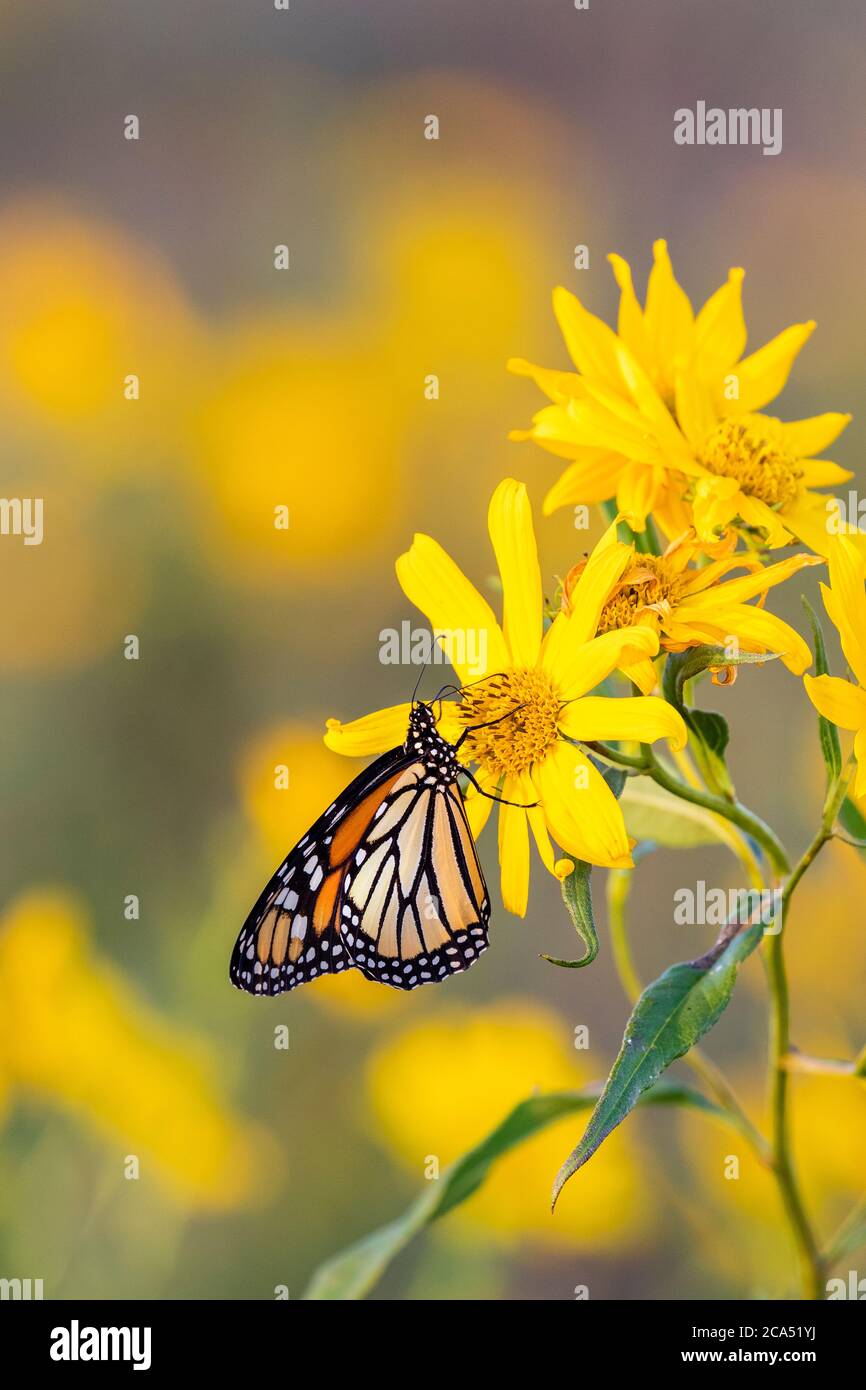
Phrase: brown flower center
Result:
[744,449]
[649,582]
[519,709]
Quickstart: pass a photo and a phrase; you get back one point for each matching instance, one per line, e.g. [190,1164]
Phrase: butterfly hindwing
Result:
[415,907]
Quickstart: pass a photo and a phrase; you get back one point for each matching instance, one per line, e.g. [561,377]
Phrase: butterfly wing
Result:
[293,933]
[415,906]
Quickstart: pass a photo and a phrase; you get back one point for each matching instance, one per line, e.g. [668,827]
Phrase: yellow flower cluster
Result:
[663,418]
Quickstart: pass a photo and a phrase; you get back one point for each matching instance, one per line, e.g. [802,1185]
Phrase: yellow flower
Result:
[438,1086]
[531,690]
[73,1034]
[647,411]
[688,605]
[841,701]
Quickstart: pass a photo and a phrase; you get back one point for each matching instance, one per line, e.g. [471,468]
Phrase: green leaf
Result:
[352,1273]
[827,731]
[651,813]
[709,730]
[849,1238]
[672,1014]
[853,823]
[577,896]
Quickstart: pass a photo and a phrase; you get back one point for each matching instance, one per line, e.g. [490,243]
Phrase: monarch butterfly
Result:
[387,880]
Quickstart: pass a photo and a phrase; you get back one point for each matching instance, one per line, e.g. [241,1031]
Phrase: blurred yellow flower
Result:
[662,414]
[530,690]
[438,1086]
[742,1230]
[297,449]
[688,604]
[74,596]
[74,1035]
[83,308]
[841,701]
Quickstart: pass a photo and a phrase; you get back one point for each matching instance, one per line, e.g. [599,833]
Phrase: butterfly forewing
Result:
[292,934]
[387,879]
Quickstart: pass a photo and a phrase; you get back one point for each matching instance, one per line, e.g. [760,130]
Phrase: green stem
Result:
[811,1262]
[733,811]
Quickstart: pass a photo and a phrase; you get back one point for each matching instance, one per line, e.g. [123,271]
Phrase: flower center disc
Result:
[744,450]
[519,709]
[648,583]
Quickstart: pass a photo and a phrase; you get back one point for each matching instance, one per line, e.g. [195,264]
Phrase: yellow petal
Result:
[802,438]
[593,477]
[643,718]
[477,805]
[588,597]
[763,374]
[559,386]
[582,812]
[373,733]
[846,581]
[755,629]
[696,413]
[638,491]
[642,674]
[720,329]
[839,701]
[748,586]
[513,850]
[822,473]
[860,755]
[509,521]
[591,344]
[577,667]
[630,322]
[668,316]
[469,633]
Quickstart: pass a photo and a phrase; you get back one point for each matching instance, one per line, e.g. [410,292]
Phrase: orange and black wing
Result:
[414,905]
[293,933]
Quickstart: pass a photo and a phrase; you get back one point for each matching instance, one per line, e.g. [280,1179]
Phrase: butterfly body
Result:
[386,881]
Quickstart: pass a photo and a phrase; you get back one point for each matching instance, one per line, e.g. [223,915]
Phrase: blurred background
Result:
[154,1142]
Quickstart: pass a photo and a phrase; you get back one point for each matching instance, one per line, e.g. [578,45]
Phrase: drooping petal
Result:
[839,701]
[581,810]
[478,804]
[755,629]
[469,633]
[576,667]
[513,850]
[860,755]
[763,374]
[588,597]
[639,489]
[720,329]
[643,718]
[509,521]
[372,733]
[847,573]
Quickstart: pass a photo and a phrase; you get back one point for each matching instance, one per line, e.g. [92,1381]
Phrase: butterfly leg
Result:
[522,805]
